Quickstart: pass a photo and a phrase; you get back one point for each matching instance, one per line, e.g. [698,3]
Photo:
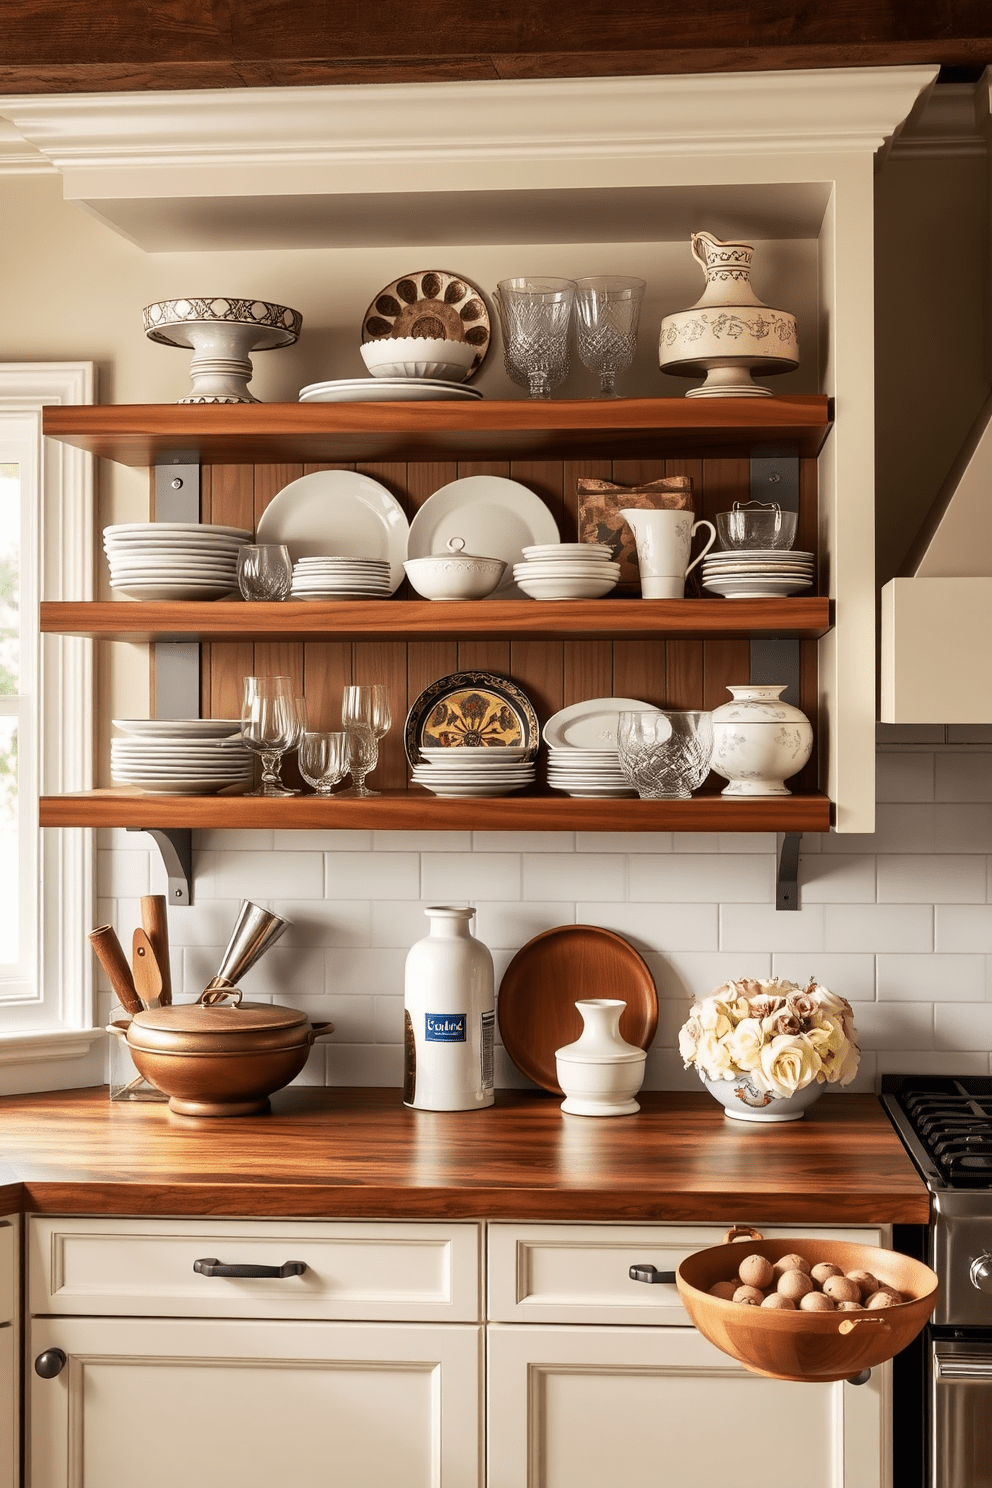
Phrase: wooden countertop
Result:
[362,1154]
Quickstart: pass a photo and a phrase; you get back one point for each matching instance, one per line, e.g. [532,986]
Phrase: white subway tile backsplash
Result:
[372,875]
[963,928]
[878,927]
[422,841]
[121,873]
[903,777]
[932,978]
[319,922]
[363,1064]
[623,842]
[898,829]
[931,878]
[833,878]
[687,878]
[600,876]
[962,1025]
[259,875]
[962,828]
[926,1062]
[367,973]
[964,776]
[524,842]
[656,927]
[724,842]
[212,839]
[353,1017]
[514,923]
[388,1021]
[894,1025]
[331,841]
[849,974]
[465,877]
[761,927]
[684,975]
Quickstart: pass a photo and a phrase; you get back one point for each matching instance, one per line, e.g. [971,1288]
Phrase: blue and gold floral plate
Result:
[472,710]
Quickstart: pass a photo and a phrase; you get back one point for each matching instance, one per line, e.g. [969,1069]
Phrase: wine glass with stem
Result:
[325,758]
[365,713]
[270,725]
[607,310]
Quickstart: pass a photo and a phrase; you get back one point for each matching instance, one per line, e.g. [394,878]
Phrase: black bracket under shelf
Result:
[787,881]
[176,846]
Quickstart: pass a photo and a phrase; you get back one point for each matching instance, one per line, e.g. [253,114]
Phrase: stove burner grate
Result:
[954,1123]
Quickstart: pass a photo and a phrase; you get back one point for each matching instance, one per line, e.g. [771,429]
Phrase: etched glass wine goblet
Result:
[270,725]
[325,759]
[265,571]
[366,714]
[607,310]
[535,315]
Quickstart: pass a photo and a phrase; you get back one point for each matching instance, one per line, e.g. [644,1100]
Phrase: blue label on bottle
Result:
[444,1028]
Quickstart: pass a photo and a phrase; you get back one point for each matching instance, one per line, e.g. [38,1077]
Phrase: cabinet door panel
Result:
[662,1408]
[212,1404]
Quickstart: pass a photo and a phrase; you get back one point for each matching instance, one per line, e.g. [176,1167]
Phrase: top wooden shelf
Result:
[343,433]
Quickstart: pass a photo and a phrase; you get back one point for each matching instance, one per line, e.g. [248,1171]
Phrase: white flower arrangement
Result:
[780,1036]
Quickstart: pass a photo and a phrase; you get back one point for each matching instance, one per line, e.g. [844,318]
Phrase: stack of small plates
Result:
[475,772]
[388,390]
[174,560]
[567,571]
[757,573]
[180,756]
[588,772]
[341,578]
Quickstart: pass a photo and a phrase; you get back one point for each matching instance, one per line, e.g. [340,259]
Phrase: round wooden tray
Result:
[554,971]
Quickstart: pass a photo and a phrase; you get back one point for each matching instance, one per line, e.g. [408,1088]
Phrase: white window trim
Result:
[63,1029]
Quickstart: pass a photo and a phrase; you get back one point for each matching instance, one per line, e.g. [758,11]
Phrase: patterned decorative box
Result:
[600,505]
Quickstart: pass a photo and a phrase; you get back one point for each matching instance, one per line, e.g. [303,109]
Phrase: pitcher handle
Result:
[702,237]
[702,554]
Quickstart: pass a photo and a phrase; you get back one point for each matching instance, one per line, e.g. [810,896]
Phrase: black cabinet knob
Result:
[50,1363]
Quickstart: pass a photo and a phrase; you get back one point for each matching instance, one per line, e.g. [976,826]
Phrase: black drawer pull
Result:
[651,1274]
[212,1267]
[50,1363]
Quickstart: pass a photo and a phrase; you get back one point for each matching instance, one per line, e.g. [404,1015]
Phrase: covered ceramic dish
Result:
[220,1056]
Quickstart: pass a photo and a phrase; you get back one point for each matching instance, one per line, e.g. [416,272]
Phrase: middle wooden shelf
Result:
[804,618]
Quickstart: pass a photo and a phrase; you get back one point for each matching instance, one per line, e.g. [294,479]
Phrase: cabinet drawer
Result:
[579,1273]
[354,1271]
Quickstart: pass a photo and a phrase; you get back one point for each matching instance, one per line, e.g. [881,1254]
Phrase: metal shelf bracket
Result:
[176,846]
[787,883]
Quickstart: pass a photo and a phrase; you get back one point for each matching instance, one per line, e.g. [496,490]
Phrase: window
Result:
[46,878]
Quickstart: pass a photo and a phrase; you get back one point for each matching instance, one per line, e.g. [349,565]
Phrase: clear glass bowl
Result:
[748,527]
[665,756]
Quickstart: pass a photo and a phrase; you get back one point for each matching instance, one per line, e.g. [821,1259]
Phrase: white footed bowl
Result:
[419,356]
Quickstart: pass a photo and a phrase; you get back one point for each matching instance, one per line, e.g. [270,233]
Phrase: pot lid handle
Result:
[218,990]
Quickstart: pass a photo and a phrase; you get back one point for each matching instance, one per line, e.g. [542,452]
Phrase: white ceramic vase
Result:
[759,741]
[449,1016]
[600,1073]
[728,333]
[745,1102]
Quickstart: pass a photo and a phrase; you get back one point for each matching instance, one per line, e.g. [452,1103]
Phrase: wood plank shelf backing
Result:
[142,434]
[296,620]
[418,811]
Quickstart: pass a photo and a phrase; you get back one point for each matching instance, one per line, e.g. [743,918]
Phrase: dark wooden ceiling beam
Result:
[89,45]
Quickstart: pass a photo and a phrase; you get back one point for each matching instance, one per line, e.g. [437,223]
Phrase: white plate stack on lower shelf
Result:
[588,772]
[341,578]
[174,560]
[180,756]
[757,573]
[582,748]
[475,772]
[567,571]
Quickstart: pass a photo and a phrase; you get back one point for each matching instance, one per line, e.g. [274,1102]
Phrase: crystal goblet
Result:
[366,714]
[270,726]
[607,310]
[534,315]
[325,759]
[665,755]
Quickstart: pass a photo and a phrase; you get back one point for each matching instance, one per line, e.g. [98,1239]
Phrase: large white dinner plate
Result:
[590,725]
[183,787]
[772,555]
[181,529]
[471,791]
[388,390]
[178,728]
[756,588]
[158,573]
[340,512]
[175,591]
[599,792]
[497,518]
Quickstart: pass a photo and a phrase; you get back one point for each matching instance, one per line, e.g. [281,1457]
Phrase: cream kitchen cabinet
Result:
[575,1401]
[9,1351]
[311,1378]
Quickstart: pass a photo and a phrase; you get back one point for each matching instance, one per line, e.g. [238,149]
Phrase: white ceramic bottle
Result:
[600,1073]
[449,1017]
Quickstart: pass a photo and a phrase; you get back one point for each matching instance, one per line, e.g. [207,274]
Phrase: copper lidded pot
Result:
[220,1056]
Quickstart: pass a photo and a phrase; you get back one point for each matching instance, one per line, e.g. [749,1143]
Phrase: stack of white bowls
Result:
[475,772]
[588,772]
[757,573]
[180,756]
[341,578]
[567,571]
[174,560]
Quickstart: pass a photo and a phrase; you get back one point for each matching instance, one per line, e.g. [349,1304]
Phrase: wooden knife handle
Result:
[110,955]
[155,919]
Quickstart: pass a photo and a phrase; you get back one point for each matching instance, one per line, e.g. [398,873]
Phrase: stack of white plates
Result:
[388,390]
[475,772]
[587,772]
[341,578]
[174,560]
[567,571]
[757,573]
[180,756]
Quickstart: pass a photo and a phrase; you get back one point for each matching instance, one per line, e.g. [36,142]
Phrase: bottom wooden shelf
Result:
[417,811]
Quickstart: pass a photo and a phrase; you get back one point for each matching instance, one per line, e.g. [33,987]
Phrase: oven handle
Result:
[972,1366]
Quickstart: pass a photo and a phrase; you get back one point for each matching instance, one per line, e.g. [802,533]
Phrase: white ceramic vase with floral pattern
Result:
[742,1100]
[759,741]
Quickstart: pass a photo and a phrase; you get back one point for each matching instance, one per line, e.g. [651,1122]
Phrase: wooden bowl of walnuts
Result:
[806,1309]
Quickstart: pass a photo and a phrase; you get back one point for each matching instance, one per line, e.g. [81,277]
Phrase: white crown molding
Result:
[17,157]
[851,109]
[947,125]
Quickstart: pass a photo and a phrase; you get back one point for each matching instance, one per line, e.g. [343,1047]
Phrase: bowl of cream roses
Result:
[766,1048]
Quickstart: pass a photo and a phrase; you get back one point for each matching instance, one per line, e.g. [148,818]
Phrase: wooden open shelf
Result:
[801,618]
[418,811]
[651,428]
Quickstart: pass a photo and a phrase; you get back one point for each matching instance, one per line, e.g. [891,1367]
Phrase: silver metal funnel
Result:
[256,929]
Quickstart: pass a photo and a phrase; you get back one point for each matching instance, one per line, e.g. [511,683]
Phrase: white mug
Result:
[664,539]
